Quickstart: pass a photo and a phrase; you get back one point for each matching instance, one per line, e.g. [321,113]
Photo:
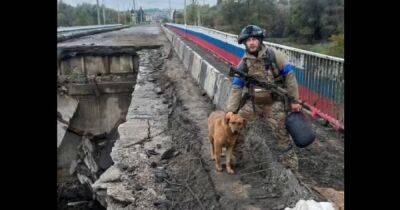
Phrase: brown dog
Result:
[223,131]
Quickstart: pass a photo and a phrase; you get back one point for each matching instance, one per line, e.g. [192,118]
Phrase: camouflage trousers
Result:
[275,115]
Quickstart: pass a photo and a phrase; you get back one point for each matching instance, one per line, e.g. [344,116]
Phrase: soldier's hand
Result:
[296,107]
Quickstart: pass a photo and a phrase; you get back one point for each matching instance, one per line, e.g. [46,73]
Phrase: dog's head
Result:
[235,122]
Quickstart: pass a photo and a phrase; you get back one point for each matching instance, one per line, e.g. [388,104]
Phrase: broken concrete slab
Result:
[73,166]
[134,131]
[84,179]
[89,151]
[111,175]
[66,108]
[67,152]
[61,129]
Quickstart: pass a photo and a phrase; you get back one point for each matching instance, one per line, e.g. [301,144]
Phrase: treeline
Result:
[305,21]
[86,14]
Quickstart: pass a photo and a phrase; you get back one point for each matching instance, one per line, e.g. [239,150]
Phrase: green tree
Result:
[64,14]
[314,20]
[305,19]
[86,14]
[333,18]
[281,19]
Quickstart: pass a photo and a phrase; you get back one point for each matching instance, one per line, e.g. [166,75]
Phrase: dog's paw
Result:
[229,170]
[219,169]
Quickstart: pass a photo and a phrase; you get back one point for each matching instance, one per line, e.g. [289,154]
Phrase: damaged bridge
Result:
[132,132]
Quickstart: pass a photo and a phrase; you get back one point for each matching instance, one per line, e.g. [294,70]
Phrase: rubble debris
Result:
[151,152]
[120,193]
[168,153]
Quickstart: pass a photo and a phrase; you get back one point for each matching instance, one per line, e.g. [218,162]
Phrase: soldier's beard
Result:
[255,52]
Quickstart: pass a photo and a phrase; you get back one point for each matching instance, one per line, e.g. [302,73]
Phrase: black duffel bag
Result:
[299,128]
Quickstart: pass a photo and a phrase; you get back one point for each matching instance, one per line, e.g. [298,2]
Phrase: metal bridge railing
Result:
[82,28]
[322,76]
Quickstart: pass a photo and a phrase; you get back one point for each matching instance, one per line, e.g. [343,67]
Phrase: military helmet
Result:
[250,31]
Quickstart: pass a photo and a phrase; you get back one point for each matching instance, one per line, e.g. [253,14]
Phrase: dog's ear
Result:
[228,117]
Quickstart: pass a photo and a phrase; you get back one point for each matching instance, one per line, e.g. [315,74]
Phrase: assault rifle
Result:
[252,81]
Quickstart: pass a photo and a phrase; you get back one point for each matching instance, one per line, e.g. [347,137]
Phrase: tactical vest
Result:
[264,67]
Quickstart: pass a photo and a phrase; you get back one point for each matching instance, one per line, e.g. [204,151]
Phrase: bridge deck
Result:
[168,114]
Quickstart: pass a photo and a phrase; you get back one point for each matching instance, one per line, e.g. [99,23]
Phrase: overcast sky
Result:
[145,4]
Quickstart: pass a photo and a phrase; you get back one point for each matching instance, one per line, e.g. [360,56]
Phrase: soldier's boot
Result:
[248,113]
[289,157]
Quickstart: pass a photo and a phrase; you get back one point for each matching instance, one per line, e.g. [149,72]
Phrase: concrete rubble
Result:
[103,86]
[131,182]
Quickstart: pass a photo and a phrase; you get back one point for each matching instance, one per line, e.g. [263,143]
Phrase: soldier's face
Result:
[252,44]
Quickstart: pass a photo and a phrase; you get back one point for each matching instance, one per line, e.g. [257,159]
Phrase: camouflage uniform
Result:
[267,105]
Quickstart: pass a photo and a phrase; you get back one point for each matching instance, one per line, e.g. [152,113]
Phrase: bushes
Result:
[337,47]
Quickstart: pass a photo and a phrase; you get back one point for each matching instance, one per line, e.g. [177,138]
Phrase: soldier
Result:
[270,65]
